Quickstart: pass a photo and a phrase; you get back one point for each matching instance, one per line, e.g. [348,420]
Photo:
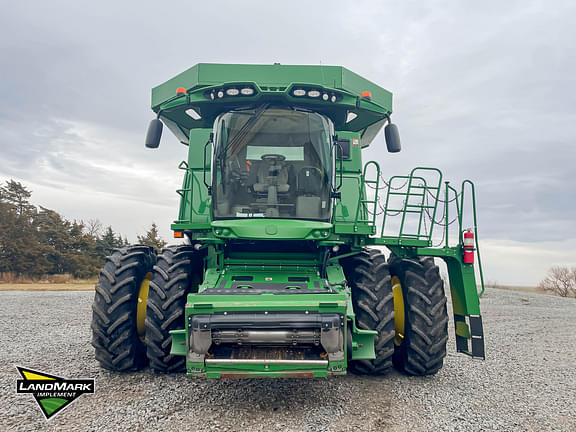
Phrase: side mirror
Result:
[392,138]
[154,134]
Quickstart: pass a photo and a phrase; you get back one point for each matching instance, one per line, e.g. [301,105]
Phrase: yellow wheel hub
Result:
[398,310]
[141,307]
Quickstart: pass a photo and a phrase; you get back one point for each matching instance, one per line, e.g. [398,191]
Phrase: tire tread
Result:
[423,348]
[370,282]
[114,333]
[172,279]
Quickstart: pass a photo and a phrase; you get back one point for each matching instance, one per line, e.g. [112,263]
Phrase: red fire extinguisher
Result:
[468,247]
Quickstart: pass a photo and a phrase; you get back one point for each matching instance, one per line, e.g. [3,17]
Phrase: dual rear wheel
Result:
[140,297]
[404,301]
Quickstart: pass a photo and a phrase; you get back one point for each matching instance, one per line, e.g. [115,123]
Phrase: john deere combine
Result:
[281,272]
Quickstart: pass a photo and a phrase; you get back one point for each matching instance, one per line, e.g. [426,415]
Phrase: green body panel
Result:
[398,241]
[353,225]
[178,342]
[348,205]
[363,345]
[272,371]
[465,300]
[324,303]
[268,229]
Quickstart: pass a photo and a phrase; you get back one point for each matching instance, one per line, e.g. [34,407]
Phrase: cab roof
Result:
[191,99]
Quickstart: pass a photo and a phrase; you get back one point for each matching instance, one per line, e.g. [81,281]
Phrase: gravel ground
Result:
[527,383]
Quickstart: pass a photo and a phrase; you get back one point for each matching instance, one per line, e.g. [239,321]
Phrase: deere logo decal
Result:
[52,393]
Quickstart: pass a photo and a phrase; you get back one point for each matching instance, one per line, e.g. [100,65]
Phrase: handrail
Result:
[414,181]
[473,192]
[446,213]
[190,183]
[363,196]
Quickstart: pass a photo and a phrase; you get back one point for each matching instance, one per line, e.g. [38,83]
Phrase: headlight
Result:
[232,92]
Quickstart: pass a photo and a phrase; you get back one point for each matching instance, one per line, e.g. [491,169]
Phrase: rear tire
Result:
[179,271]
[114,327]
[423,348]
[369,279]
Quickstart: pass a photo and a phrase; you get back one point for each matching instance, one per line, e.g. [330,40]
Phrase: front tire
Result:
[115,335]
[423,347]
[178,272]
[369,279]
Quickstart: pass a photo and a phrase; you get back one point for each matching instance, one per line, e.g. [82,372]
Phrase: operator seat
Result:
[272,181]
[270,174]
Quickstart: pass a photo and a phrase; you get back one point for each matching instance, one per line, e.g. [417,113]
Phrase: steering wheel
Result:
[271,157]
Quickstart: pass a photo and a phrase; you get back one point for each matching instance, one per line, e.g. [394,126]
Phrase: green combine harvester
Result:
[281,272]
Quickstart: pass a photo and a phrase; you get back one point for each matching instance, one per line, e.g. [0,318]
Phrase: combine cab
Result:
[282,272]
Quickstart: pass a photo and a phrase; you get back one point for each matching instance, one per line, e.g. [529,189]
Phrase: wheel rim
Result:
[141,307]
[398,311]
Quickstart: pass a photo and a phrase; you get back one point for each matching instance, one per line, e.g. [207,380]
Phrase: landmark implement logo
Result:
[52,393]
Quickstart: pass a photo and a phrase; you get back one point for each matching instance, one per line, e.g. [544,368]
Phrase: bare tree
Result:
[93,227]
[560,281]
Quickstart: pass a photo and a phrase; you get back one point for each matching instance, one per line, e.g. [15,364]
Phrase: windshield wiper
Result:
[243,131]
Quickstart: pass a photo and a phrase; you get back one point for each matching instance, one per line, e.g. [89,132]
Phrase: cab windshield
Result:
[272,163]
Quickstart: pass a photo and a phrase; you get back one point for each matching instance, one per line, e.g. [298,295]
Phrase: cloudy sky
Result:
[483,90]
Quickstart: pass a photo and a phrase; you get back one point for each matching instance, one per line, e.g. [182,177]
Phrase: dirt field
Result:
[527,289]
[47,287]
[89,286]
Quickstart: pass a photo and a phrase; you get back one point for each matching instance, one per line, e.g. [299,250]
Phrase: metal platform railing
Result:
[411,209]
[415,200]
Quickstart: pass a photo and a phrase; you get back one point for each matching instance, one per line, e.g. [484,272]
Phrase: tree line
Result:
[36,241]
